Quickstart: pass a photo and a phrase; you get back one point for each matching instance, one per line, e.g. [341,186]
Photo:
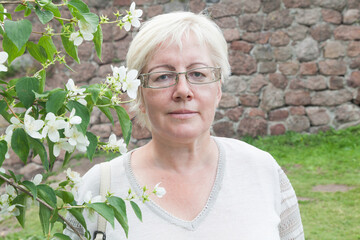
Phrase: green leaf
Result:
[107,112]
[20,144]
[18,31]
[24,90]
[77,213]
[37,51]
[79,5]
[21,199]
[42,75]
[31,187]
[66,158]
[3,13]
[83,113]
[125,123]
[3,151]
[11,49]
[98,40]
[45,215]
[55,101]
[44,16]
[92,146]
[69,46]
[47,194]
[95,91]
[55,10]
[136,209]
[15,177]
[20,8]
[104,210]
[47,43]
[51,152]
[61,236]
[3,110]
[67,197]
[92,19]
[39,148]
[27,12]
[120,212]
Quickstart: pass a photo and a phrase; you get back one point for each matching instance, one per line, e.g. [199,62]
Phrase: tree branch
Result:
[21,188]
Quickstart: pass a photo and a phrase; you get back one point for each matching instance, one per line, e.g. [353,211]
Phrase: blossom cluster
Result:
[115,145]
[75,93]
[86,31]
[124,80]
[6,206]
[40,129]
[74,179]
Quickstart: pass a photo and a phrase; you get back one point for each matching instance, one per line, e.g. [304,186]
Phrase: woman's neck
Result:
[181,156]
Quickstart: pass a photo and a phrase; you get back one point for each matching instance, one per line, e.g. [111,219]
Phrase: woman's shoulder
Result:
[243,152]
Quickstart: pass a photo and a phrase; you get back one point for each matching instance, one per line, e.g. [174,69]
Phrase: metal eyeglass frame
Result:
[144,78]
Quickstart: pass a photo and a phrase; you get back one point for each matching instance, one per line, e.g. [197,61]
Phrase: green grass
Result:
[331,157]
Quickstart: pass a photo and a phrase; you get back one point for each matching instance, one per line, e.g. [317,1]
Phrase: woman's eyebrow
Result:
[171,68]
[196,63]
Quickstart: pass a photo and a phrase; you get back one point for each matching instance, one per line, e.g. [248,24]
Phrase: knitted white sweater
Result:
[252,199]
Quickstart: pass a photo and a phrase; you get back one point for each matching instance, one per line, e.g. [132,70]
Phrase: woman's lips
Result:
[183,114]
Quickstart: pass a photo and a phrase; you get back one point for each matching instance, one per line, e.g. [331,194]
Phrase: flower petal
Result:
[78,41]
[135,22]
[3,68]
[3,57]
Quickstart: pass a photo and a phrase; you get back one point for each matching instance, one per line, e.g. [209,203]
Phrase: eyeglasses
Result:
[165,79]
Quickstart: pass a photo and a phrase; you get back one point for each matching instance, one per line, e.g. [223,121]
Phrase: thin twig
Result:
[13,111]
[21,188]
[11,2]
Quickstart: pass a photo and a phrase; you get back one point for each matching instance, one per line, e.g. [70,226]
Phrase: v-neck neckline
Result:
[192,224]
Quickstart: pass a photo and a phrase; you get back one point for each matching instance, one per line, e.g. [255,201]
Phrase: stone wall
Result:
[295,63]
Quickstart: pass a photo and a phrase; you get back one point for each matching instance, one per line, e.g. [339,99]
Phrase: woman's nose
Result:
[182,90]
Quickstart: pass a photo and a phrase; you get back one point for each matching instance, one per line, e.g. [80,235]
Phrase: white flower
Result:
[76,38]
[132,18]
[86,30]
[159,191]
[37,179]
[75,93]
[15,124]
[10,190]
[3,57]
[32,126]
[77,139]
[88,198]
[74,119]
[2,170]
[73,176]
[52,125]
[6,209]
[85,33]
[73,89]
[62,144]
[131,83]
[117,145]
[119,72]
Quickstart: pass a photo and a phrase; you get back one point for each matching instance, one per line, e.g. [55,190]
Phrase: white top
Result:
[251,199]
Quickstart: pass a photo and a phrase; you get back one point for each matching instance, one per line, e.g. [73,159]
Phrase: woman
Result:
[217,188]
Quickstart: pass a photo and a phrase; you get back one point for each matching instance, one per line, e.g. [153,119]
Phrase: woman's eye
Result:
[196,75]
[162,78]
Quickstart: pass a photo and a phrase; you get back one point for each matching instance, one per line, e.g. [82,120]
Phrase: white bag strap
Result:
[104,188]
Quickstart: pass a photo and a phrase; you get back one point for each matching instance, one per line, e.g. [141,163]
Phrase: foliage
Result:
[44,123]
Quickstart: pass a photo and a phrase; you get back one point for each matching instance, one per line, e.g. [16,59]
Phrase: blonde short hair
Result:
[172,27]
